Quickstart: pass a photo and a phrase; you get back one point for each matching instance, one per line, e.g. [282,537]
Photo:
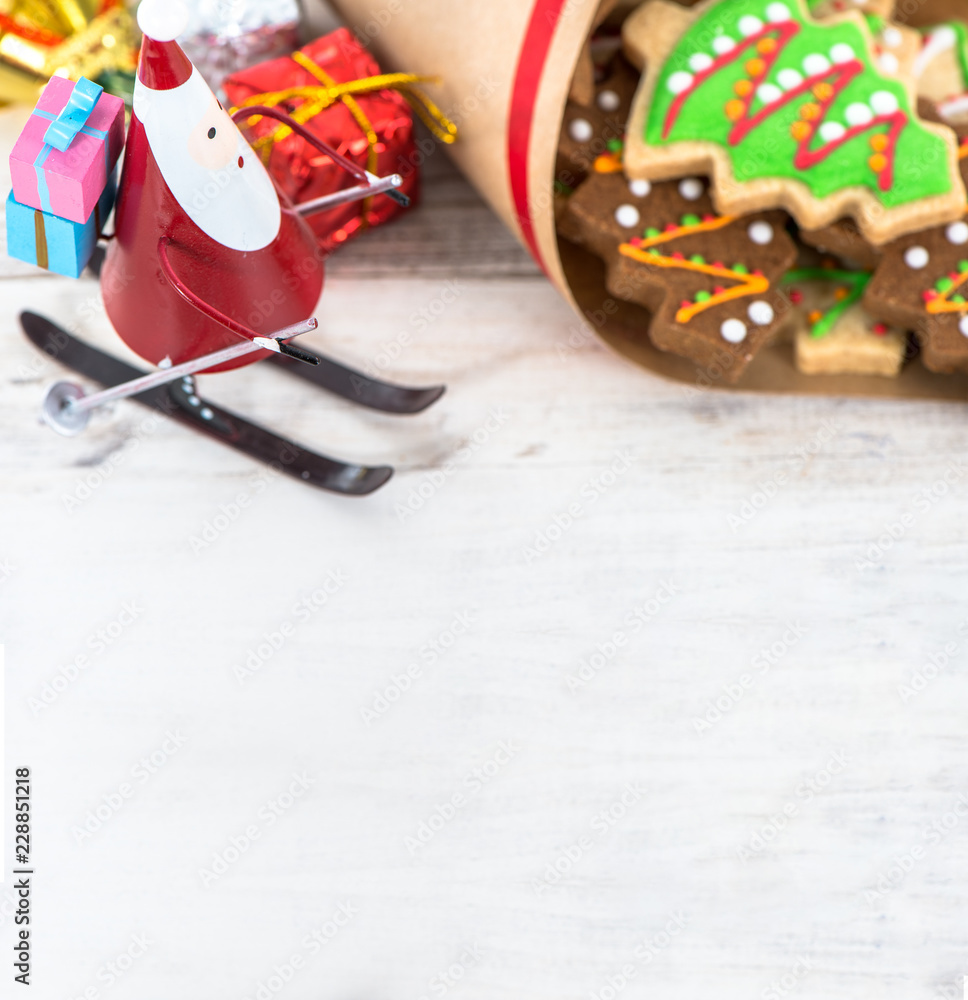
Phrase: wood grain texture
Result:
[576,562]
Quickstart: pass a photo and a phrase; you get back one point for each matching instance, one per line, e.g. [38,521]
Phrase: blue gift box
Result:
[54,243]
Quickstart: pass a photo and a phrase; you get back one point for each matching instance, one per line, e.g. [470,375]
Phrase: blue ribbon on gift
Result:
[65,128]
[74,116]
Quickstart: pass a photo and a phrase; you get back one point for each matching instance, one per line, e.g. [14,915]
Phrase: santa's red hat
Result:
[163,65]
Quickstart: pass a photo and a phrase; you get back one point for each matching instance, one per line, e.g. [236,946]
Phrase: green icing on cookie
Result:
[792,98]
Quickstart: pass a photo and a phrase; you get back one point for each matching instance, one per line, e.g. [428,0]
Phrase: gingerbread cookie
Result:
[785,111]
[941,69]
[586,77]
[590,132]
[922,283]
[844,240]
[711,282]
[835,335]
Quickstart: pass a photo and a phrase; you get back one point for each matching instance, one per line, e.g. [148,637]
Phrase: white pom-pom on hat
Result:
[162,20]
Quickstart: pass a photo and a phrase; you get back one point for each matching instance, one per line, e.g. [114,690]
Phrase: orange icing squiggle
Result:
[750,284]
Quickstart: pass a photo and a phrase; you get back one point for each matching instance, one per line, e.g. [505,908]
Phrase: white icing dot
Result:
[768,93]
[832,131]
[608,100]
[888,63]
[761,313]
[815,64]
[891,38]
[723,44]
[733,330]
[957,233]
[789,79]
[917,258]
[679,82]
[963,325]
[640,188]
[842,53]
[777,12]
[691,188]
[761,233]
[581,129]
[944,37]
[884,102]
[627,216]
[699,61]
[750,25]
[858,114]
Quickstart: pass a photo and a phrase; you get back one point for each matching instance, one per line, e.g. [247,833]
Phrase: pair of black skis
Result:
[179,401]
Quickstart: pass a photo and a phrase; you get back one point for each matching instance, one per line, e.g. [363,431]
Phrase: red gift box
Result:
[373,128]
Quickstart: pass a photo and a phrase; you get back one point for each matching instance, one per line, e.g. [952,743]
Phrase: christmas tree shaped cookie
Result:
[922,283]
[590,131]
[785,111]
[711,282]
[835,335]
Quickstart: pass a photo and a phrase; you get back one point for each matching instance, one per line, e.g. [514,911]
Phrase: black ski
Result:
[178,401]
[341,380]
[359,388]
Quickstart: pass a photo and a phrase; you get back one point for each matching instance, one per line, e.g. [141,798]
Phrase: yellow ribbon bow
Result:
[317,99]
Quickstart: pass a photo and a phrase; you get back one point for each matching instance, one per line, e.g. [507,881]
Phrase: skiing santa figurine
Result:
[211,268]
[206,251]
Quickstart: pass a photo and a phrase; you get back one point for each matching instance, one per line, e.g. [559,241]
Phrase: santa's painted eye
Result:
[211,133]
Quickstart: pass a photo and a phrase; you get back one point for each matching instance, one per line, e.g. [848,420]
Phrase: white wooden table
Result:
[544,640]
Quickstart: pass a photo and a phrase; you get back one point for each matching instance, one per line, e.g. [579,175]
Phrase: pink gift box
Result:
[67,184]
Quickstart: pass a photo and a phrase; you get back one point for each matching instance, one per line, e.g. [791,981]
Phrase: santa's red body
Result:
[264,289]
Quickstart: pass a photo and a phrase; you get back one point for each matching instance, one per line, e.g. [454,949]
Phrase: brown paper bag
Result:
[507,68]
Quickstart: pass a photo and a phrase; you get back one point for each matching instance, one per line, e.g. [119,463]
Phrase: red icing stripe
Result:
[841,74]
[527,78]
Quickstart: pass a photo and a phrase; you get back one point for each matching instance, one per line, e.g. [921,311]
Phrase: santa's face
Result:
[211,170]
